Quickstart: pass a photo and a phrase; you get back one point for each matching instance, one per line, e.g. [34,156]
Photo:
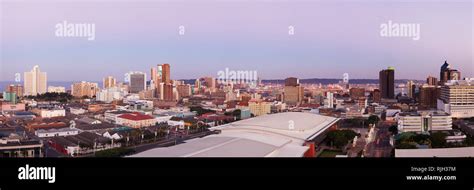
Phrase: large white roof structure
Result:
[273,135]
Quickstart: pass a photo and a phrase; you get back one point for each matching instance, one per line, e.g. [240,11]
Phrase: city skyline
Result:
[324,82]
[118,79]
[319,48]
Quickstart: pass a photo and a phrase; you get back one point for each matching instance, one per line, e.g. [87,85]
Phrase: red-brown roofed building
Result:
[45,125]
[136,120]
[243,104]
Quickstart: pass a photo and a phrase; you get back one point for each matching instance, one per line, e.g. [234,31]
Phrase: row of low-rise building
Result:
[82,143]
[14,143]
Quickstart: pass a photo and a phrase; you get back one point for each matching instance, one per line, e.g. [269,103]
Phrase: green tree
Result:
[199,110]
[373,119]
[52,96]
[406,145]
[422,139]
[393,129]
[339,138]
[438,140]
[114,152]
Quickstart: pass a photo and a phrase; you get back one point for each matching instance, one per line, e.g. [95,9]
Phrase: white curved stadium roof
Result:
[264,136]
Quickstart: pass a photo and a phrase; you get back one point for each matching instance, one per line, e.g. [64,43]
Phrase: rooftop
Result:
[466,82]
[263,136]
[136,116]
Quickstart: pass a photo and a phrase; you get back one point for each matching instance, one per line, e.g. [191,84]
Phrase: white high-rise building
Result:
[457,98]
[35,82]
[329,101]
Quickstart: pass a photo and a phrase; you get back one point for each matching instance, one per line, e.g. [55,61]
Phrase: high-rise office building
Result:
[386,83]
[184,90]
[329,101]
[293,91]
[137,82]
[35,82]
[209,82]
[157,76]
[166,91]
[292,81]
[83,88]
[162,75]
[15,88]
[457,98]
[432,80]
[376,96]
[446,73]
[411,89]
[154,74]
[109,82]
[428,96]
[165,73]
[356,93]
[10,97]
[197,84]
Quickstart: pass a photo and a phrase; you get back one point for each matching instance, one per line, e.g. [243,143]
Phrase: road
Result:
[381,146]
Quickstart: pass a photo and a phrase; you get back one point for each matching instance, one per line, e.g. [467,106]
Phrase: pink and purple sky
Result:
[331,38]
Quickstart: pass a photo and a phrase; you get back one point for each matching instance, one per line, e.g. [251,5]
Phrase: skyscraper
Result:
[35,82]
[329,101]
[184,90]
[457,98]
[428,96]
[447,73]
[432,80]
[109,82]
[137,82]
[165,73]
[291,81]
[17,89]
[209,82]
[157,74]
[154,74]
[293,92]
[386,80]
[162,76]
[356,93]
[376,96]
[83,88]
[411,89]
[166,91]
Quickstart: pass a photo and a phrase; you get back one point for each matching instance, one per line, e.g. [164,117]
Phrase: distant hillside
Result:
[318,80]
[333,81]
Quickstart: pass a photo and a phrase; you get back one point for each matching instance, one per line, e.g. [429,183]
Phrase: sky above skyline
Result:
[330,38]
